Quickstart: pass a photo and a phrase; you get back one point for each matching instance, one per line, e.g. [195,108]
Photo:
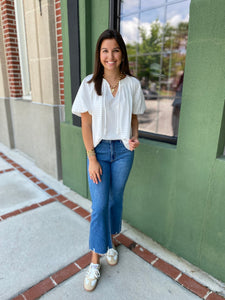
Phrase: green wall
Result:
[175,194]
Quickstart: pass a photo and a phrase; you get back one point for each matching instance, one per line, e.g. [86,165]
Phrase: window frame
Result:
[142,134]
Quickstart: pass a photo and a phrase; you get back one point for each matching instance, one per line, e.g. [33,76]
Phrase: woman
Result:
[108,101]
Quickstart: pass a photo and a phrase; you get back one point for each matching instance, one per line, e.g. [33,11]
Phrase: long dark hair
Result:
[98,67]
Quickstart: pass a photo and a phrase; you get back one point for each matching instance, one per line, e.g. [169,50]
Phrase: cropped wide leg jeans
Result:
[107,196]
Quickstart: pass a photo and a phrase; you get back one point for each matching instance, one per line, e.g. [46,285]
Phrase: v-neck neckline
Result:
[114,97]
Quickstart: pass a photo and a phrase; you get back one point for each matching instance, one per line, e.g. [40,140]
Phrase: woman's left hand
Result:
[134,143]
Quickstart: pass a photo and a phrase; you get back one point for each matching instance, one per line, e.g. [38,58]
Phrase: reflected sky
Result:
[176,13]
[129,6]
[148,4]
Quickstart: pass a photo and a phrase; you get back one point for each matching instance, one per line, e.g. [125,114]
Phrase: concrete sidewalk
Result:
[44,230]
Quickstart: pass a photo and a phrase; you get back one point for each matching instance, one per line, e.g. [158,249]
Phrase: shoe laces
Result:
[112,252]
[93,272]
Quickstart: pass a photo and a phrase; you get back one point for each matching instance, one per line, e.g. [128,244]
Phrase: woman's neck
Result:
[112,75]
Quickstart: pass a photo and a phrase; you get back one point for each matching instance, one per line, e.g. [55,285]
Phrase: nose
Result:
[110,55]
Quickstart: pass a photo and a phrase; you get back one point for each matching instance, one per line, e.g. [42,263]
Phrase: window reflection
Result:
[156,38]
[129,6]
[149,4]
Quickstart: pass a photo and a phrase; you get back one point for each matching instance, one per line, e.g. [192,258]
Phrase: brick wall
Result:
[59,50]
[11,47]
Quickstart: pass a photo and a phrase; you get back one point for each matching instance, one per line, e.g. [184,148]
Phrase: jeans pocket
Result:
[121,148]
[101,148]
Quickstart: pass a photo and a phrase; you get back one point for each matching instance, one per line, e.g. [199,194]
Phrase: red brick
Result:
[20,297]
[59,38]
[21,170]
[84,261]
[88,218]
[58,12]
[82,212]
[59,44]
[27,174]
[51,192]
[9,6]
[144,253]
[12,72]
[167,269]
[8,170]
[124,240]
[214,296]
[15,165]
[11,214]
[27,208]
[57,5]
[65,273]
[70,204]
[9,160]
[58,18]
[59,31]
[193,285]
[34,179]
[43,186]
[39,289]
[61,198]
[9,16]
[47,201]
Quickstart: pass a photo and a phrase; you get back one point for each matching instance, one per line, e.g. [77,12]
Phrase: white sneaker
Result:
[112,257]
[91,278]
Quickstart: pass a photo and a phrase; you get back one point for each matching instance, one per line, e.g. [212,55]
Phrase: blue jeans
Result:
[107,196]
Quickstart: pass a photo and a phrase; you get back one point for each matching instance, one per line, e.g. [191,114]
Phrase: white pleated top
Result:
[111,116]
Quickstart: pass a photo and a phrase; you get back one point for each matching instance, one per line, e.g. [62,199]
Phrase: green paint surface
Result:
[175,194]
[74,159]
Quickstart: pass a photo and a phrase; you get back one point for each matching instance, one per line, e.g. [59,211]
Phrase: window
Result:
[21,33]
[155,33]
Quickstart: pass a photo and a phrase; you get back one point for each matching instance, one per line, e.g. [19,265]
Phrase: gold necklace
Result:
[112,88]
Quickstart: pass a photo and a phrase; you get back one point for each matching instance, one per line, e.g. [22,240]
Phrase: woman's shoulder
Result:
[133,79]
[87,78]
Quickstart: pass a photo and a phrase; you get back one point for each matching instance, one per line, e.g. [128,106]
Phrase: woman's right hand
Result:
[95,170]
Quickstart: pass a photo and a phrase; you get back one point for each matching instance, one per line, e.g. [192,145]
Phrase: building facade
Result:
[175,193]
[32,81]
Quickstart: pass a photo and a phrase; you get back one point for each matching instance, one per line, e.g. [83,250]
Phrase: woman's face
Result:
[110,55]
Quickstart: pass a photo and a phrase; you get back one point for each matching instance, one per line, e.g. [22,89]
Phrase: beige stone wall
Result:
[4,86]
[42,55]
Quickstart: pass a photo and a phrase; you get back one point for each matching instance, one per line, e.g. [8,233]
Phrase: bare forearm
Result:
[87,136]
[86,122]
[94,169]
[134,126]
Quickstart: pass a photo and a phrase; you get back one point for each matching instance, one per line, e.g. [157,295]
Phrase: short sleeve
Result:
[138,100]
[82,102]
